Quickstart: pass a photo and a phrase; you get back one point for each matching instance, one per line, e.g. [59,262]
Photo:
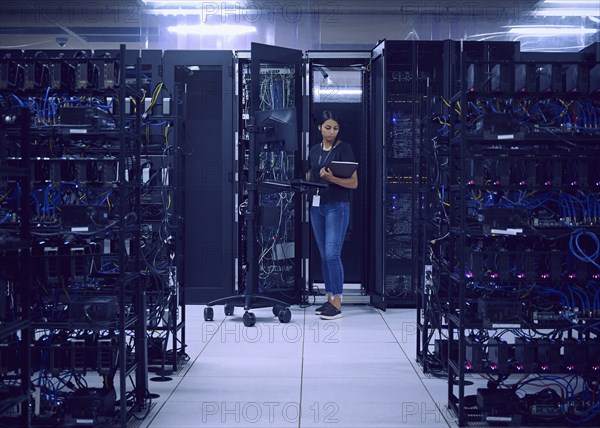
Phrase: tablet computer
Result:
[342,169]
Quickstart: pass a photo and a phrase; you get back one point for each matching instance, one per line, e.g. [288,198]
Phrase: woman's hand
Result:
[325,173]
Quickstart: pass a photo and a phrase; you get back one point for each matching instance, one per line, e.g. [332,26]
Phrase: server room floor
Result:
[357,371]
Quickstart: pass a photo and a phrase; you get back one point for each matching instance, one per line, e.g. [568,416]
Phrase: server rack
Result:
[162,213]
[203,94]
[430,215]
[522,277]
[87,306]
[394,127]
[402,73]
[15,278]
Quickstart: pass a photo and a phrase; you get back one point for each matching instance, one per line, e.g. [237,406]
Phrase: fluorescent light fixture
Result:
[328,90]
[175,12]
[551,30]
[187,2]
[193,7]
[567,11]
[569,8]
[536,48]
[192,12]
[564,2]
[212,30]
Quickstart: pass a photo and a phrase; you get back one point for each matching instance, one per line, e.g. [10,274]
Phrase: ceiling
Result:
[549,25]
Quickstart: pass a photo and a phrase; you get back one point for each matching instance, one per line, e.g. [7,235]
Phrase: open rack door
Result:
[267,60]
[273,225]
[376,233]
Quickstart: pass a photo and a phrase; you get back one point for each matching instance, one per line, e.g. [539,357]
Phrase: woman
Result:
[330,210]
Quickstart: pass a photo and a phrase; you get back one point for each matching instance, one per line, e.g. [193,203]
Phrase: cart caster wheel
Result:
[249,319]
[285,315]
[277,309]
[229,309]
[209,314]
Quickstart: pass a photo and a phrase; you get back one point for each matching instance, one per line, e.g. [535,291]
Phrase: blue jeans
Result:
[330,223]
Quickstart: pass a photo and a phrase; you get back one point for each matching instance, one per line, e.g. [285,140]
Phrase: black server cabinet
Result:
[403,73]
[204,79]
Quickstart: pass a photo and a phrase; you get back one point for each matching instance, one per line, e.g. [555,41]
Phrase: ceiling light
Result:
[551,30]
[186,2]
[337,91]
[191,12]
[212,30]
[193,7]
[563,2]
[567,11]
[175,12]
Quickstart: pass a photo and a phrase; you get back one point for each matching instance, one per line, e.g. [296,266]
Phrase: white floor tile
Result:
[352,351]
[240,367]
[246,347]
[371,415]
[382,368]
[365,390]
[235,390]
[222,414]
[324,331]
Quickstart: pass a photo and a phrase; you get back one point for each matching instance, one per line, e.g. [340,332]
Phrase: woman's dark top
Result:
[318,158]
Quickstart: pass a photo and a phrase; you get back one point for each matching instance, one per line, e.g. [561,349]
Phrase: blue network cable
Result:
[579,252]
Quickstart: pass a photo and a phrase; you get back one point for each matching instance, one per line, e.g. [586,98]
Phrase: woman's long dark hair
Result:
[325,116]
